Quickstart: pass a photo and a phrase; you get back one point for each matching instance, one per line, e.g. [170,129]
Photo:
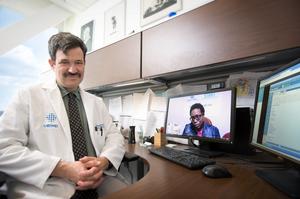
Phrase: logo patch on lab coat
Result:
[50,121]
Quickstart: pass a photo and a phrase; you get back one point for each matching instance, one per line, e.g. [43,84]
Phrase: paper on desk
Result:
[140,105]
[155,119]
[126,121]
[158,103]
[156,113]
[245,84]
[127,105]
[115,107]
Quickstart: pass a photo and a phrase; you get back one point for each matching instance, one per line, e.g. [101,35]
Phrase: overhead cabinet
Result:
[115,63]
[220,31]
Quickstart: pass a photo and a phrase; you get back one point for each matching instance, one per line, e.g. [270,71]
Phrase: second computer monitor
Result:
[205,116]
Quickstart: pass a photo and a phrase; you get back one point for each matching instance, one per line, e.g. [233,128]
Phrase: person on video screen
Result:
[200,125]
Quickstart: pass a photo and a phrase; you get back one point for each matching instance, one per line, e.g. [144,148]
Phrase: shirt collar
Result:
[65,92]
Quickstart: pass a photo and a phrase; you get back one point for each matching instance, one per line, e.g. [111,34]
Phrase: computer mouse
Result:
[216,171]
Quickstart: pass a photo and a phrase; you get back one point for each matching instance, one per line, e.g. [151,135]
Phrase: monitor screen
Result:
[276,125]
[206,116]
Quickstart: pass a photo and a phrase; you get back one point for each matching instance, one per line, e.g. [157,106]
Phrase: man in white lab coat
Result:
[35,135]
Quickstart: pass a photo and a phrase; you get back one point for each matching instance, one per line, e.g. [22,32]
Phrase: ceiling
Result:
[53,12]
[75,6]
[28,7]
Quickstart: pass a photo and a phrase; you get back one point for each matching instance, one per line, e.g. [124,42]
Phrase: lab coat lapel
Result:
[59,108]
[89,108]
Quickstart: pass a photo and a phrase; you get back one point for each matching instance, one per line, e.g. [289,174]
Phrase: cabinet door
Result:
[112,64]
[221,31]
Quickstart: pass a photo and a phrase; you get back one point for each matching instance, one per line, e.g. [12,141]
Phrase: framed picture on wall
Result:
[152,10]
[86,34]
[114,22]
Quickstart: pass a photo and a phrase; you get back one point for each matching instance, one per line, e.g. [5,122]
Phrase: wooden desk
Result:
[169,180]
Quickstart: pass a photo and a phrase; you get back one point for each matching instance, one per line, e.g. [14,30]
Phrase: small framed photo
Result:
[114,22]
[152,10]
[86,34]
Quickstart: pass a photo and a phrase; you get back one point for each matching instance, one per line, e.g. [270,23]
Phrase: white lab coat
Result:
[35,135]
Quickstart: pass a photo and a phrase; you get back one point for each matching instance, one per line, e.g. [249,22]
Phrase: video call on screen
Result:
[217,105]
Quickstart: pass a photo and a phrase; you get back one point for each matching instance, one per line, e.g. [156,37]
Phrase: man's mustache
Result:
[72,74]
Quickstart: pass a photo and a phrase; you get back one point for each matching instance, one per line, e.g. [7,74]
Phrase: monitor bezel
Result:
[256,144]
[206,139]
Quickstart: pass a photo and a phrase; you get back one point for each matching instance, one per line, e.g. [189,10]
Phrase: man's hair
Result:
[197,106]
[64,41]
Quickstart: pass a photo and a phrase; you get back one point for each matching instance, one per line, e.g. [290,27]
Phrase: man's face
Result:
[68,68]
[197,118]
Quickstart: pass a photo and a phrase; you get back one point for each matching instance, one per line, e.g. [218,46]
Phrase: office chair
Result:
[129,157]
[2,188]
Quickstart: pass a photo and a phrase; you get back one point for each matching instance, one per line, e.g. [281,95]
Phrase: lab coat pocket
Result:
[99,136]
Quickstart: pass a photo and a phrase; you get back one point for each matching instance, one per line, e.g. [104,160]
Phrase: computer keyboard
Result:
[187,160]
[204,153]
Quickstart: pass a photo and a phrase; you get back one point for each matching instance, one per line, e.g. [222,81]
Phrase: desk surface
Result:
[169,180]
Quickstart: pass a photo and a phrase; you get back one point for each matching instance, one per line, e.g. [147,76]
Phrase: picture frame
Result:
[86,34]
[114,22]
[152,10]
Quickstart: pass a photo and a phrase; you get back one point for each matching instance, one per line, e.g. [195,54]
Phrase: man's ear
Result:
[51,63]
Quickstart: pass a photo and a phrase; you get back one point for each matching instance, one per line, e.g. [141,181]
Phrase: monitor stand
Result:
[286,180]
[203,149]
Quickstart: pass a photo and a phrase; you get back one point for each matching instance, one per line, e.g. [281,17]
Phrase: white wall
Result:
[132,18]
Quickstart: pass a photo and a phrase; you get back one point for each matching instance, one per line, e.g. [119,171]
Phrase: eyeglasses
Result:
[196,117]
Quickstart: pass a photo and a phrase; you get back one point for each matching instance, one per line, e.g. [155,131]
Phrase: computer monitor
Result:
[276,126]
[204,116]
